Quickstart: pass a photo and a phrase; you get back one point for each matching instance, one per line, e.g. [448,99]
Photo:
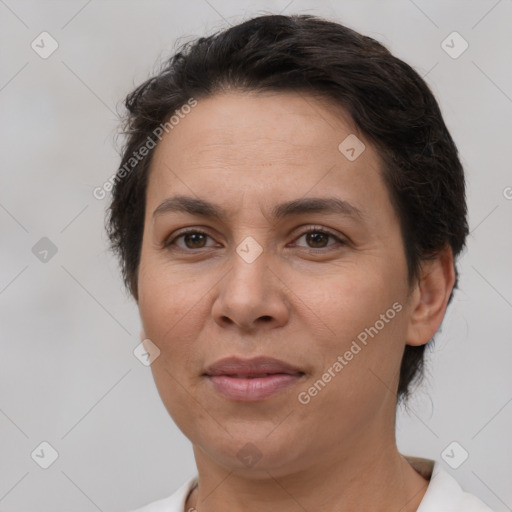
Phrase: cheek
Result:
[346,301]
[359,355]
[168,305]
[360,316]
[169,310]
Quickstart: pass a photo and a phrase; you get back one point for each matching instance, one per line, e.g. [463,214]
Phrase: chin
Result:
[255,455]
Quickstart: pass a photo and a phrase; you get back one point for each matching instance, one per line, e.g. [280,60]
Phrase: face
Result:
[282,245]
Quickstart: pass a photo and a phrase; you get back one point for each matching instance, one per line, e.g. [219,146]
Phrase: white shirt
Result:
[443,494]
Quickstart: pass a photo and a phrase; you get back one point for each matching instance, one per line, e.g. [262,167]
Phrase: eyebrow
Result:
[203,208]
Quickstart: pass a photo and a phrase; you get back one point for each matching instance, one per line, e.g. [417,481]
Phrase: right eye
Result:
[189,240]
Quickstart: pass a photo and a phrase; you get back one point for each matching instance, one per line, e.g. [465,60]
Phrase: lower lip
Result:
[254,389]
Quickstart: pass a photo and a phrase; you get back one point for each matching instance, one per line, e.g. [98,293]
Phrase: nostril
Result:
[266,318]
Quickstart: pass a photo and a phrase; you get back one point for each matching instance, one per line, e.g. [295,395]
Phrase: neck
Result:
[378,479]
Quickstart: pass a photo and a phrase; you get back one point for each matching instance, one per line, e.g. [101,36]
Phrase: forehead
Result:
[286,124]
[265,145]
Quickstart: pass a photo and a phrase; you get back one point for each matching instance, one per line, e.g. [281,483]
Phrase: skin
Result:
[303,300]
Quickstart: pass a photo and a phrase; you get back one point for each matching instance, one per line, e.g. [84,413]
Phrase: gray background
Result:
[67,372]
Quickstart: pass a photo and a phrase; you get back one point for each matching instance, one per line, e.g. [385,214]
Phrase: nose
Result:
[251,296]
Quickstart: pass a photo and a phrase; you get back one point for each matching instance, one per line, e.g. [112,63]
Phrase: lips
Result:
[251,379]
[248,368]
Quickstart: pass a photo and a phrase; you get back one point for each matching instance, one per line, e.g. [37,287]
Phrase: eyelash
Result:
[169,243]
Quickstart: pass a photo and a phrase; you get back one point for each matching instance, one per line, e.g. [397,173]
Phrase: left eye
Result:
[318,239]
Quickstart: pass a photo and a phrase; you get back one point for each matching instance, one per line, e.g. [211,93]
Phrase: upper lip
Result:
[258,366]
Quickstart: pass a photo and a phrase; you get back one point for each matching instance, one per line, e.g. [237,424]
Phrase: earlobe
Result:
[430,297]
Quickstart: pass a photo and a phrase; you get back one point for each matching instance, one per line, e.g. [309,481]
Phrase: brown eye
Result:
[194,240]
[191,240]
[317,240]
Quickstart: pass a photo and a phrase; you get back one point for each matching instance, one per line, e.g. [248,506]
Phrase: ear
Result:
[142,335]
[430,296]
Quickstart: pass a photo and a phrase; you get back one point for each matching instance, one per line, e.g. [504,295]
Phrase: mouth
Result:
[251,380]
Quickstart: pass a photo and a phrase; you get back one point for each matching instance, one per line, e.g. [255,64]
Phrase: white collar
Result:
[443,492]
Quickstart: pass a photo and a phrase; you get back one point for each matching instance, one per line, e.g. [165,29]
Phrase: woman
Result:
[288,213]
